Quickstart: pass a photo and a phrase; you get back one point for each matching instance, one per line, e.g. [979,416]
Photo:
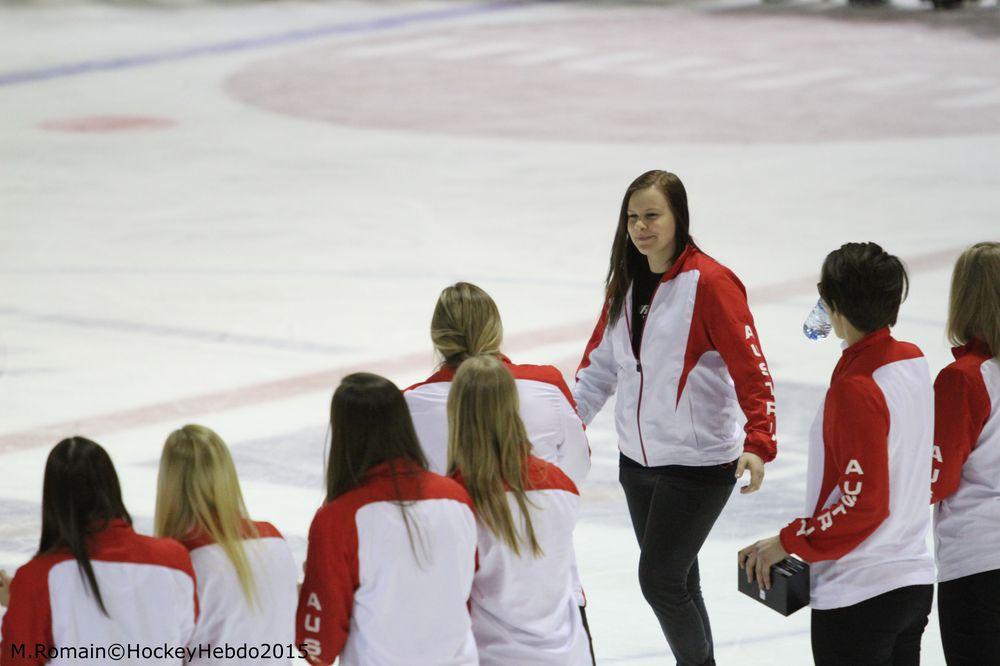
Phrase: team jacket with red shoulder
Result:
[226,617]
[523,607]
[869,477]
[547,409]
[382,591]
[148,588]
[700,392]
[966,477]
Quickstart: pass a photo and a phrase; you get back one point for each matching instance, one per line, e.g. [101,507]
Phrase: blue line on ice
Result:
[443,278]
[252,43]
[160,330]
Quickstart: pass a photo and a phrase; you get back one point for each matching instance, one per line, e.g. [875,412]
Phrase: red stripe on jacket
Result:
[264,531]
[326,599]
[29,616]
[961,410]
[856,461]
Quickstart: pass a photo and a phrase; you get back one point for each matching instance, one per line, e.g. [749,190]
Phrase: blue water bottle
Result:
[817,325]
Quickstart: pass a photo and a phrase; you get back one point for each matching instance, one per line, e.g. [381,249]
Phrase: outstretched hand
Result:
[752,462]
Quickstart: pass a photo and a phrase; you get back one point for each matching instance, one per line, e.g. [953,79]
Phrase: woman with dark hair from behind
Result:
[868,485]
[90,583]
[966,477]
[694,409]
[412,534]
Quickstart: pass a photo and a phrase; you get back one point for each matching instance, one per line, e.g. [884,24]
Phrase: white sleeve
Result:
[574,450]
[597,377]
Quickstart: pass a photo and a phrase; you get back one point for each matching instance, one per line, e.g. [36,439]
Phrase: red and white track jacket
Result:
[966,477]
[868,476]
[547,409]
[524,609]
[377,594]
[700,392]
[147,585]
[226,617]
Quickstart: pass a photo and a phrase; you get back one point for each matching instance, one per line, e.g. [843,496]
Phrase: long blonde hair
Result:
[198,492]
[466,322]
[974,307]
[488,446]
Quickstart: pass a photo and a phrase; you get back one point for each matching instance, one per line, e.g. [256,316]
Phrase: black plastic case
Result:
[789,586]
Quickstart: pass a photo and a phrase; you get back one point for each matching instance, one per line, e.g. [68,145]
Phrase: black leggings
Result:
[672,516]
[881,631]
[969,614]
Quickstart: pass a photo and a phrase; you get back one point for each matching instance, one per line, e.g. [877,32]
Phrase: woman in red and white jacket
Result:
[95,584]
[695,400]
[865,534]
[246,573]
[392,552]
[524,609]
[966,476]
[466,322]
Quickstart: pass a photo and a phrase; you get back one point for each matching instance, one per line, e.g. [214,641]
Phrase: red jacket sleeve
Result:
[855,477]
[327,595]
[732,333]
[28,620]
[961,409]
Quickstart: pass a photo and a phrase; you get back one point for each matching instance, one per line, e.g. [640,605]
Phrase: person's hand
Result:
[752,462]
[4,589]
[758,559]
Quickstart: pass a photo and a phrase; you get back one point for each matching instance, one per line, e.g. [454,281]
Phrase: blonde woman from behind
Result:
[466,322]
[523,606]
[245,571]
[966,476]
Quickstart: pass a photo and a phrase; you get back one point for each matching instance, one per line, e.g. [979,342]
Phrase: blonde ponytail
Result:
[466,322]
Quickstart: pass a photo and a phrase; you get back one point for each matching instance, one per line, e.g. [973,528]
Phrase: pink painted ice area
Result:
[106,124]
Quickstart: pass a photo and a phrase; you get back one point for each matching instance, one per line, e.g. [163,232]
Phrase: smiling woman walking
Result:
[695,401]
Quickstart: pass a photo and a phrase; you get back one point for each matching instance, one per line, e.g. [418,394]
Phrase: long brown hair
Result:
[370,424]
[198,492]
[466,322]
[974,306]
[626,260]
[488,446]
[81,495]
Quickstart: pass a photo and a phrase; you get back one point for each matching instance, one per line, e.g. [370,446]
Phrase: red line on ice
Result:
[325,380]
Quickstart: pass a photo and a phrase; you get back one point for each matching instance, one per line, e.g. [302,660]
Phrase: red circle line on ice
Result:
[106,124]
[646,75]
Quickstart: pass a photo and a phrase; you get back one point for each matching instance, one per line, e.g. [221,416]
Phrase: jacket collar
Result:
[973,346]
[679,264]
[870,340]
[402,466]
[446,373]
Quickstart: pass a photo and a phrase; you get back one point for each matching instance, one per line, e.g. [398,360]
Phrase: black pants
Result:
[590,639]
[881,631]
[672,516]
[969,614]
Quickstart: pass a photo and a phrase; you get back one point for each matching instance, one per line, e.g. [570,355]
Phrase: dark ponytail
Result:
[80,497]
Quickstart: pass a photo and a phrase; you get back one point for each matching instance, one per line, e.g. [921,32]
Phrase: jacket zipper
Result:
[638,365]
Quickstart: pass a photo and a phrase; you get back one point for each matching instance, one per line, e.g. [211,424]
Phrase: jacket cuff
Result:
[790,542]
[766,453]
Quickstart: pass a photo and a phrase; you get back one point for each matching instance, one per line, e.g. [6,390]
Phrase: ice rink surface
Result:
[211,212]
